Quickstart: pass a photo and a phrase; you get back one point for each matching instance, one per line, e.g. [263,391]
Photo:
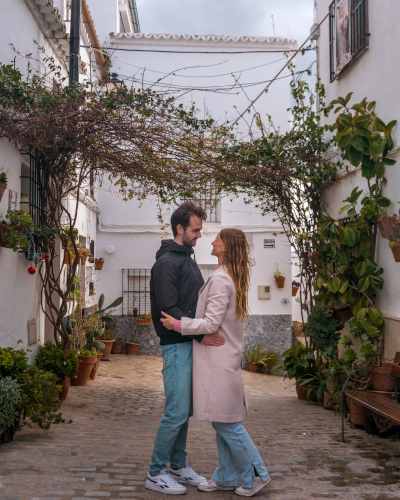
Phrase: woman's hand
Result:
[168,321]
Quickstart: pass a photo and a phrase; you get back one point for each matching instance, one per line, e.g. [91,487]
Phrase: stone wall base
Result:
[272,332]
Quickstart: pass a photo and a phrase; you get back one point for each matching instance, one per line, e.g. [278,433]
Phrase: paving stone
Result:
[105,453]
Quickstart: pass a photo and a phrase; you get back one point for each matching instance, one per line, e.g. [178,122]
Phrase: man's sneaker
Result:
[211,486]
[187,475]
[164,483]
[249,492]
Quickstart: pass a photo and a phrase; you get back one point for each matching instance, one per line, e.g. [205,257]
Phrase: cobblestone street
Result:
[105,452]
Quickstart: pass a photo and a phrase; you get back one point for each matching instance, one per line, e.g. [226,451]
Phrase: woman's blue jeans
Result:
[170,442]
[238,457]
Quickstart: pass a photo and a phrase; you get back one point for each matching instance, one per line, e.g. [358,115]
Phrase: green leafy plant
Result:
[315,382]
[13,362]
[259,356]
[3,177]
[145,316]
[296,362]
[52,358]
[324,329]
[278,273]
[10,403]
[119,341]
[86,352]
[18,222]
[369,334]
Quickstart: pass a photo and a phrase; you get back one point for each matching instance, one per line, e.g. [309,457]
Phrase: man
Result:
[174,287]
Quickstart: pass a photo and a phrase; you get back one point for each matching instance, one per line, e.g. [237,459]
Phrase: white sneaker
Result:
[211,486]
[164,483]
[249,492]
[187,475]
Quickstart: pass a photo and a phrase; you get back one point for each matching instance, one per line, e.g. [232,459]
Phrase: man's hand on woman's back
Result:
[214,339]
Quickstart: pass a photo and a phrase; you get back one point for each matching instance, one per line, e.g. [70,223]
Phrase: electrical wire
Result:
[195,51]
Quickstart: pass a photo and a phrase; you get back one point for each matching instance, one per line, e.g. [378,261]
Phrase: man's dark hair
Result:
[183,213]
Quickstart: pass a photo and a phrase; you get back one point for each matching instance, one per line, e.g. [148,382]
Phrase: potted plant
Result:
[3,184]
[296,362]
[98,264]
[83,254]
[96,365]
[87,360]
[52,358]
[14,227]
[117,346]
[132,348]
[295,288]
[257,356]
[10,408]
[279,278]
[69,254]
[144,319]
[135,312]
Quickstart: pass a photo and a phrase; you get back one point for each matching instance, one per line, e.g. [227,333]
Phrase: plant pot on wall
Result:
[3,187]
[85,369]
[295,289]
[280,282]
[395,247]
[132,348]
[98,264]
[343,313]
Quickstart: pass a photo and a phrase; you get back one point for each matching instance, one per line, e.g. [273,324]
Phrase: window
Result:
[136,291]
[348,33]
[33,189]
[211,202]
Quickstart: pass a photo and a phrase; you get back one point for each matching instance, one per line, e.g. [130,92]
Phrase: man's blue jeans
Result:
[170,442]
[238,457]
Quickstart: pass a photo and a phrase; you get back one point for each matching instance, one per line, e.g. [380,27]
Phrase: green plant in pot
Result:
[279,277]
[18,222]
[10,408]
[117,346]
[3,183]
[144,319]
[257,356]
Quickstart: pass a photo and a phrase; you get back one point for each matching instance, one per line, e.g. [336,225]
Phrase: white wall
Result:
[374,74]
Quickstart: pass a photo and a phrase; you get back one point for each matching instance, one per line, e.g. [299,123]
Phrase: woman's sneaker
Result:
[249,492]
[187,475]
[211,486]
[164,483]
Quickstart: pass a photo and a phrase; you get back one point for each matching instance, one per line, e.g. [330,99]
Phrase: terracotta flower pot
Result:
[62,395]
[116,348]
[395,250]
[357,413]
[280,282]
[94,370]
[386,227]
[343,313]
[295,289]
[379,382]
[144,321]
[302,392]
[107,350]
[99,264]
[132,348]
[69,258]
[253,367]
[83,258]
[3,187]
[69,381]
[85,369]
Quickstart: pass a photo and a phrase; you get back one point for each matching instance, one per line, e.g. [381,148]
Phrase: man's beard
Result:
[187,241]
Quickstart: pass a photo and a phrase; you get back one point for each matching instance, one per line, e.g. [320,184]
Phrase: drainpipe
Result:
[74,48]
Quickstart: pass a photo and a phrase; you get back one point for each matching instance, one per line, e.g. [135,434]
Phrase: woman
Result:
[218,391]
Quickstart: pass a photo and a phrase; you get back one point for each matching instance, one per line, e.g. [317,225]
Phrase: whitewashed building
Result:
[27,25]
[129,236]
[357,47]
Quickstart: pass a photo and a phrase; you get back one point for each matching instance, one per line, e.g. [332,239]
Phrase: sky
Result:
[292,19]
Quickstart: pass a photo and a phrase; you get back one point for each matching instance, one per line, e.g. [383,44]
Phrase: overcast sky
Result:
[292,19]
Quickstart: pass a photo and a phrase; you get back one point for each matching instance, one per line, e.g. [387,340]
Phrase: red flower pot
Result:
[85,369]
[253,367]
[107,350]
[132,348]
[94,370]
[280,282]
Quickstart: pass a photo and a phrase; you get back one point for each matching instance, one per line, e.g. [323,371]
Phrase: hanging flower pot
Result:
[280,282]
[98,264]
[69,257]
[343,313]
[395,246]
[386,226]
[3,187]
[295,288]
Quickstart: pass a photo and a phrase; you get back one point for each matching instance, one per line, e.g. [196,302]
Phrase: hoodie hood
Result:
[173,247]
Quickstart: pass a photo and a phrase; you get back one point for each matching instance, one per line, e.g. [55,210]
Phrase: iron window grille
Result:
[34,180]
[348,39]
[136,291]
[211,202]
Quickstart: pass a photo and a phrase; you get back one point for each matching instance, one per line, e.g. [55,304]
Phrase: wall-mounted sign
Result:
[285,302]
[269,243]
[12,199]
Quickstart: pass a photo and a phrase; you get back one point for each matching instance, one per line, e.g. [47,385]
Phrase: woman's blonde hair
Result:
[238,264]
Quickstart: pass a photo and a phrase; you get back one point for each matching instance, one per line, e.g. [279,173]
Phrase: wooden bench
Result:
[388,408]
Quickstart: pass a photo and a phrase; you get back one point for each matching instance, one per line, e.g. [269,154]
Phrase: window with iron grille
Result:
[348,33]
[136,291]
[211,202]
[33,189]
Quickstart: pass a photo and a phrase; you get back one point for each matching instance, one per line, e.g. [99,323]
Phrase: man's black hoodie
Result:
[174,287]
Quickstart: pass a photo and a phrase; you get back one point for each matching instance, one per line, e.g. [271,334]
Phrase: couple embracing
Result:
[201,335]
